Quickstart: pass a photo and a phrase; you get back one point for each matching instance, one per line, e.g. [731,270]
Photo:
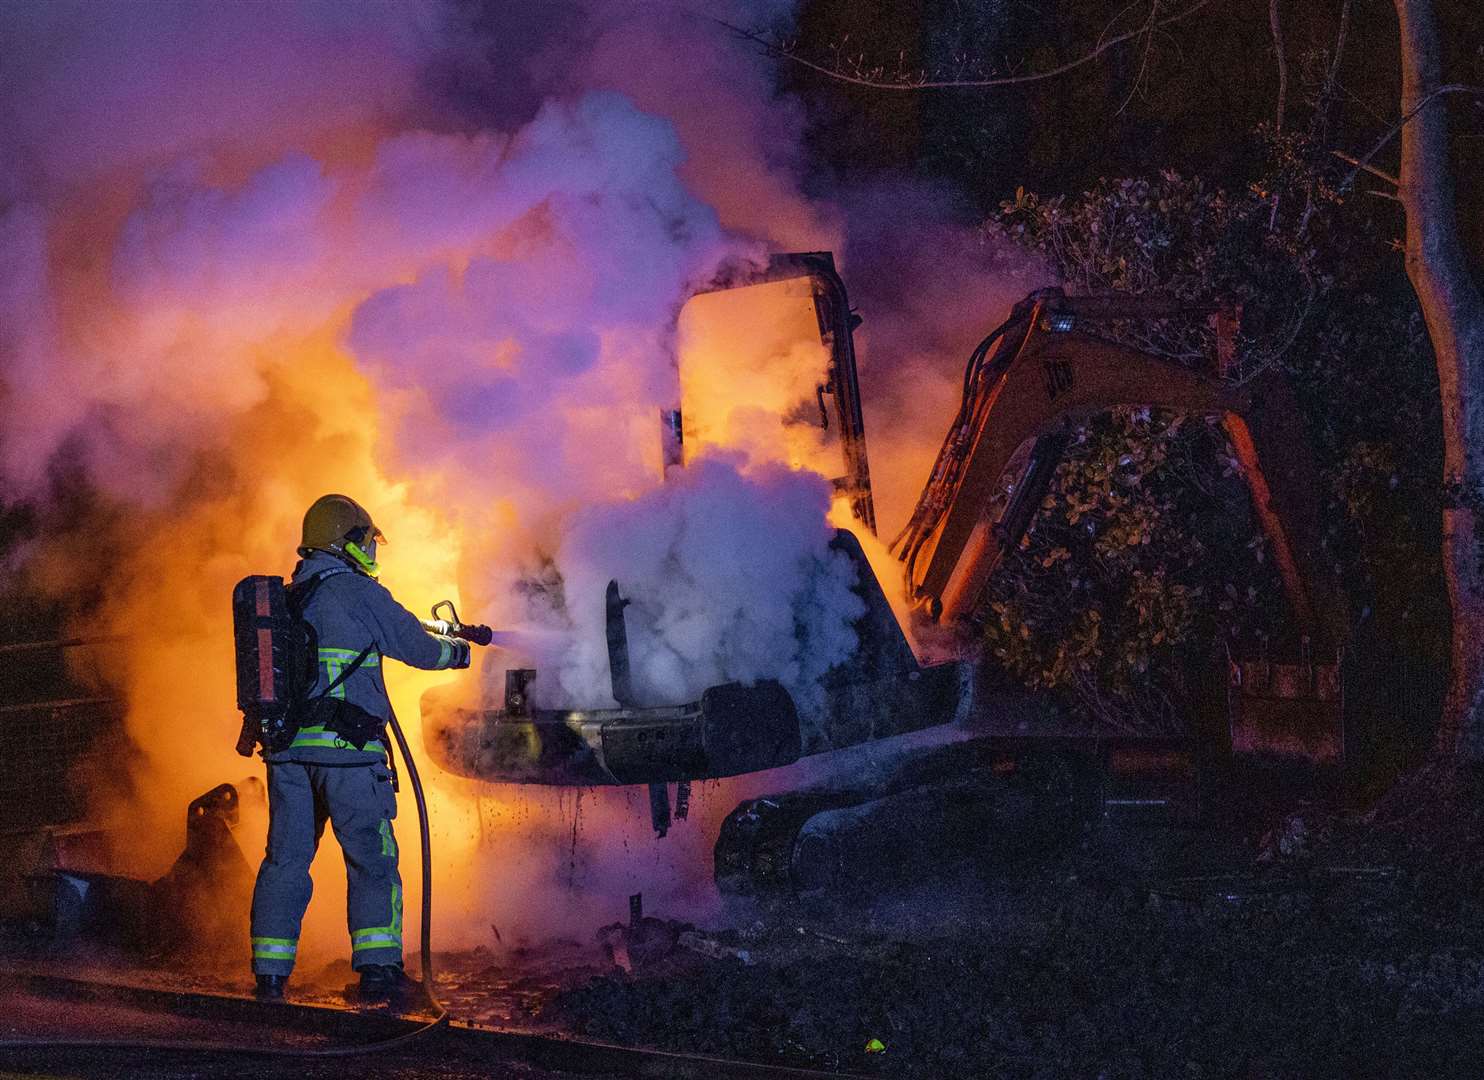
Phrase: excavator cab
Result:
[766,357]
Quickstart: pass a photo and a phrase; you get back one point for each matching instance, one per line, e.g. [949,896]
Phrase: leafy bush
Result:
[1141,555]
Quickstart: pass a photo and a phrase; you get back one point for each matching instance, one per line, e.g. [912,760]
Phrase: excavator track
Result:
[987,797]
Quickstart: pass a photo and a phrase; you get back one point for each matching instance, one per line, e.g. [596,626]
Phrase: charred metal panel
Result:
[880,690]
[539,747]
[748,728]
[1287,709]
[640,749]
[732,729]
[618,647]
[198,907]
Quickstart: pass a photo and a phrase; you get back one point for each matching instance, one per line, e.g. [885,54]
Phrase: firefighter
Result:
[337,768]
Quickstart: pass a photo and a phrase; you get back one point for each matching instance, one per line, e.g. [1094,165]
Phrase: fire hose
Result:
[481,635]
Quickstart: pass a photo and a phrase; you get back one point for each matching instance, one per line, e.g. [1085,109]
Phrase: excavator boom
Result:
[1041,374]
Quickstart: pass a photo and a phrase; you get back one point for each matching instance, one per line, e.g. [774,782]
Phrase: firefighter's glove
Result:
[460,653]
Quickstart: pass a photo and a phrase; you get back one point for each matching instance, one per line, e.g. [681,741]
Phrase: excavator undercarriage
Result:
[1026,387]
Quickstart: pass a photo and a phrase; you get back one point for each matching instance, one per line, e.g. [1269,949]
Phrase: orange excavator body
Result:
[1043,373]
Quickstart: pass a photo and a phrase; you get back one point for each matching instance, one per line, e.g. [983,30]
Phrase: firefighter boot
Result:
[270,987]
[390,984]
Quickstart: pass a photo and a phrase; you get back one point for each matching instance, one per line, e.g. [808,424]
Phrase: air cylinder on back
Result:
[263,632]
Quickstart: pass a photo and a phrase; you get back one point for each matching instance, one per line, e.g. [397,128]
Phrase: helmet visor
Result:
[366,534]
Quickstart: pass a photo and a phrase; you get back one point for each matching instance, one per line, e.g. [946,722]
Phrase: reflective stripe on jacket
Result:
[349,611]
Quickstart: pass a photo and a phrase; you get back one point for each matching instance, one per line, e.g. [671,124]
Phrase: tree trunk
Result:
[1454,312]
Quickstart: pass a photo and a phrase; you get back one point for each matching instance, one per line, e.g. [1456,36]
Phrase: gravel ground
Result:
[1289,942]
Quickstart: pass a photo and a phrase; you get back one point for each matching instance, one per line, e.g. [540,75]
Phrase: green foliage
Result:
[1175,236]
[1145,553]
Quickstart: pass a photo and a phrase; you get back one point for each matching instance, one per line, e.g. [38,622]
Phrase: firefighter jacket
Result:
[349,611]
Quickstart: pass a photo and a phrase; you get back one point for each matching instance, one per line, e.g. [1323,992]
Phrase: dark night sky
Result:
[1208,83]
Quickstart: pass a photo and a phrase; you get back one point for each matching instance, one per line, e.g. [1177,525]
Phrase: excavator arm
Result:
[1041,374]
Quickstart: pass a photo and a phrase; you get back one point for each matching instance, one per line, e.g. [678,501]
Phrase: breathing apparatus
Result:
[365,560]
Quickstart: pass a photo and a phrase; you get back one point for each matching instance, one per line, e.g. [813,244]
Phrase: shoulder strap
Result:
[349,670]
[301,591]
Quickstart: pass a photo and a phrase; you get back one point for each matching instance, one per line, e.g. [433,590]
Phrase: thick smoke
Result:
[539,372]
[533,368]
[932,288]
[99,93]
[730,578]
[431,255]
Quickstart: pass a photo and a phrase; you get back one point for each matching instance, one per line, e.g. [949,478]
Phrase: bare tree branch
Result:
[1327,95]
[1391,132]
[774,49]
[1379,173]
[1116,19]
[1149,28]
[1323,107]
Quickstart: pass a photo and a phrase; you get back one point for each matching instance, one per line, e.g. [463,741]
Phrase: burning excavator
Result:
[1026,386]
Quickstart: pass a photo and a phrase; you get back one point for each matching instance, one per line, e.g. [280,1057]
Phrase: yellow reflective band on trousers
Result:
[336,660]
[388,841]
[274,948]
[381,937]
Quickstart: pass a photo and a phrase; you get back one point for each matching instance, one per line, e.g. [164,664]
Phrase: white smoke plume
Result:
[730,578]
[535,366]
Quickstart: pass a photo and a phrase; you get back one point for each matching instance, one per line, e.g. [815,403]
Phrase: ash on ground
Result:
[1297,938]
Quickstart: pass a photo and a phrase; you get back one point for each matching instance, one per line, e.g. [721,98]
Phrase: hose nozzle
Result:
[451,626]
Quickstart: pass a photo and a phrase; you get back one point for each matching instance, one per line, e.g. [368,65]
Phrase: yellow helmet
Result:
[340,525]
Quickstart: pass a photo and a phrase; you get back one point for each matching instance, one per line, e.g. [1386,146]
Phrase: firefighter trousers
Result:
[359,803]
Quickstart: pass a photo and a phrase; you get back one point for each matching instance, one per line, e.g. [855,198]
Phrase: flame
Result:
[318,428]
[752,374]
[172,602]
[752,369]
